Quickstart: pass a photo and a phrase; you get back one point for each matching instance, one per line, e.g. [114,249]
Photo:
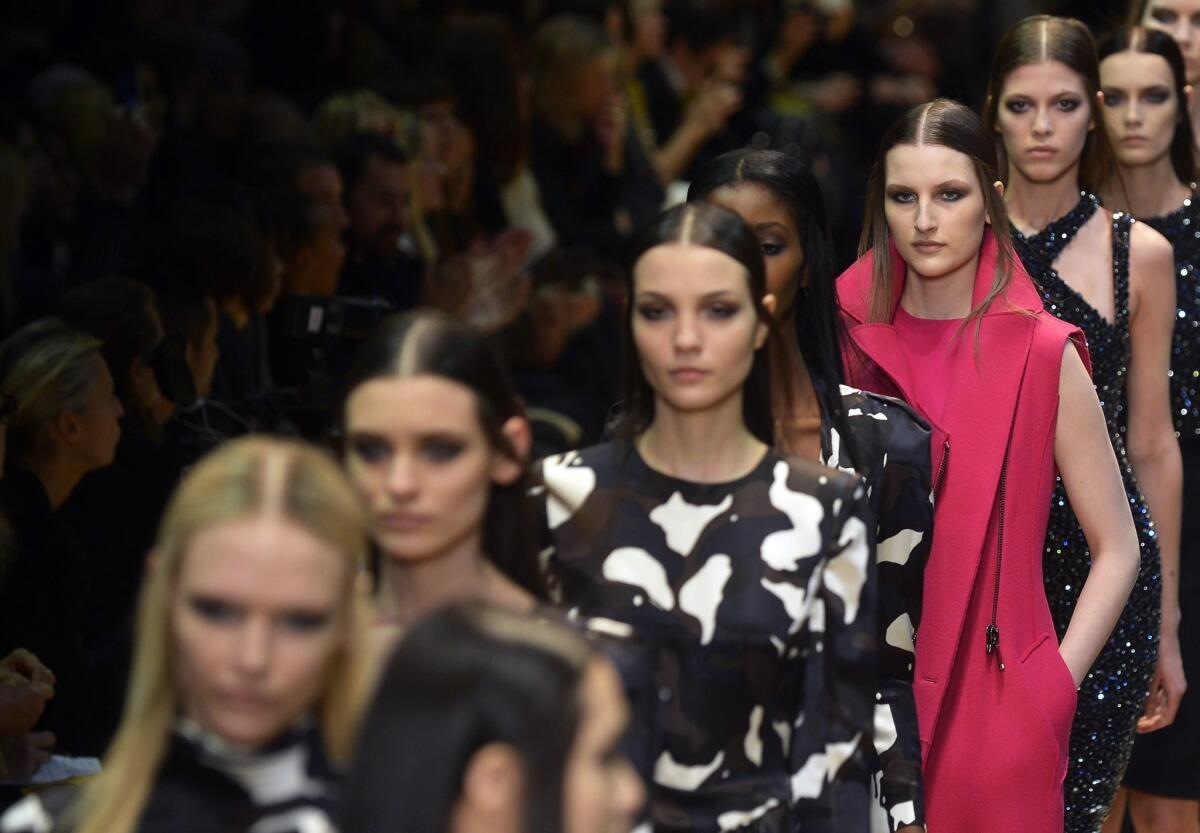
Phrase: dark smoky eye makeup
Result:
[213,609]
[442,449]
[651,310]
[368,448]
[305,621]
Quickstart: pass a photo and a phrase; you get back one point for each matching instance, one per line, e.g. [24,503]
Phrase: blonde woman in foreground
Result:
[248,675]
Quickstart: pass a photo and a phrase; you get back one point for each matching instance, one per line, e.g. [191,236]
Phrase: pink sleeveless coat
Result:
[994,742]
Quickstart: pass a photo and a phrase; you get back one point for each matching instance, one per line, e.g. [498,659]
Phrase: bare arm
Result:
[1152,448]
[1088,466]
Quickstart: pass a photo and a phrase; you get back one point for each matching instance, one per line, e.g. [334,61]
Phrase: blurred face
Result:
[202,356]
[695,326]
[99,430]
[323,185]
[418,455]
[777,235]
[316,267]
[1044,116]
[649,29]
[601,791]
[935,210]
[1141,109]
[595,86]
[255,625]
[1181,20]
[379,206]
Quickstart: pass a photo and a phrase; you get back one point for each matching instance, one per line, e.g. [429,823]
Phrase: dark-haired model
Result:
[878,437]
[943,315]
[1110,277]
[745,575]
[1143,77]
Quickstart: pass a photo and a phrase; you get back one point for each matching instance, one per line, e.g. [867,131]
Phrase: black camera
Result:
[311,316]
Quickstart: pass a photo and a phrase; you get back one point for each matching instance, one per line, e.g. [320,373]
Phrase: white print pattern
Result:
[898,548]
[754,744]
[734,820]
[900,633]
[677,776]
[810,780]
[702,594]
[682,522]
[783,550]
[846,573]
[793,601]
[572,485]
[632,565]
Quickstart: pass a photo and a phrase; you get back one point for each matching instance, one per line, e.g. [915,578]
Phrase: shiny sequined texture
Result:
[1182,228]
[1112,695]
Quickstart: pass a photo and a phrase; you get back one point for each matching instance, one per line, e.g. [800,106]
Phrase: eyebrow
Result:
[768,225]
[650,294]
[949,183]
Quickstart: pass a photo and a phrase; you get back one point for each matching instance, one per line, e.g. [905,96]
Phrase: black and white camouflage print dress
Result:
[889,449]
[754,601]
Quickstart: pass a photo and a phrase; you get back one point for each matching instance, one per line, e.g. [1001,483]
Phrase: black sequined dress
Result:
[1113,693]
[1167,762]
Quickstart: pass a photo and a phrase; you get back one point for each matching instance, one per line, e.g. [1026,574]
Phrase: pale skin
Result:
[696,330]
[1181,20]
[1046,106]
[1140,100]
[935,197]
[601,791]
[417,453]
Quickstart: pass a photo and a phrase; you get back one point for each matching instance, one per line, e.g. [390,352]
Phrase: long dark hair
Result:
[1041,38]
[947,124]
[431,343]
[465,677]
[713,227]
[818,325]
[1153,42]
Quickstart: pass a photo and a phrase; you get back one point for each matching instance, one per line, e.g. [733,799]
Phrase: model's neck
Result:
[709,446]
[1034,205]
[409,590]
[945,297]
[797,413]
[1147,190]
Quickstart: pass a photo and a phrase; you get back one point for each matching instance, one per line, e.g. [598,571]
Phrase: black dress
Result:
[755,602]
[1112,695]
[1167,762]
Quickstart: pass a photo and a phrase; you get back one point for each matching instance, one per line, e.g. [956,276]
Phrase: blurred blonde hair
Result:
[50,368]
[239,480]
[363,111]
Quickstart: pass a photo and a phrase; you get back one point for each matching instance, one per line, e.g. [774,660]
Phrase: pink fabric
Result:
[932,345]
[994,742]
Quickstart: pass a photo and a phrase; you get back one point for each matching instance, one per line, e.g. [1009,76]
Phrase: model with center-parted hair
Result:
[941,313]
[876,436]
[250,662]
[1146,93]
[1109,276]
[744,574]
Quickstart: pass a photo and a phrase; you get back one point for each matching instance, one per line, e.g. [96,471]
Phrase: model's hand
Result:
[1166,687]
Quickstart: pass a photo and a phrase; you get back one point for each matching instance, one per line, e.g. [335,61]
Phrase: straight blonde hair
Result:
[244,478]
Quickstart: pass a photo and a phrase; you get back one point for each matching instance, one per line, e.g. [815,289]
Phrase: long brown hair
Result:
[952,125]
[1154,42]
[1044,38]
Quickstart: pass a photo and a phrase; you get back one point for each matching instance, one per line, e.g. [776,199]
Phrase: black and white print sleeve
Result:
[889,448]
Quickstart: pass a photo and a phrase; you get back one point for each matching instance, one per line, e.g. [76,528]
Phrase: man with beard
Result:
[378,202]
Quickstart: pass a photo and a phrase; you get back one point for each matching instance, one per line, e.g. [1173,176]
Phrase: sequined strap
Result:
[1039,251]
[1122,224]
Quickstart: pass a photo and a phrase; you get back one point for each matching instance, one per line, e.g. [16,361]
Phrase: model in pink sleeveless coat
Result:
[995,698]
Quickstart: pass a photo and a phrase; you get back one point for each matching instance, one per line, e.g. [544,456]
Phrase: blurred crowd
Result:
[206,206]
